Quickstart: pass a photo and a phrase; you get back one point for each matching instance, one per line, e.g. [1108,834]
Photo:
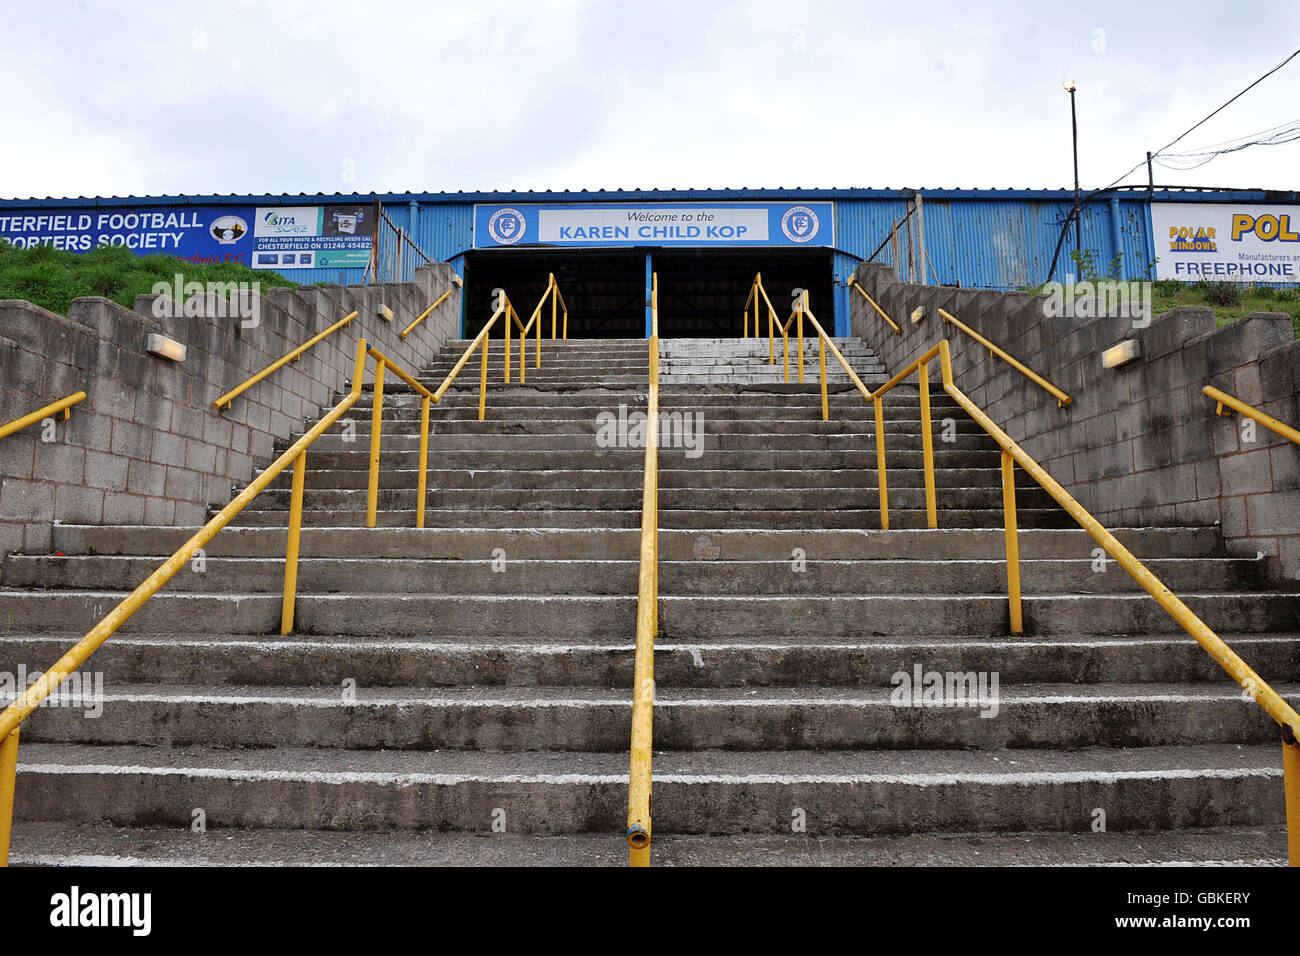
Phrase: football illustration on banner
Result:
[228,229]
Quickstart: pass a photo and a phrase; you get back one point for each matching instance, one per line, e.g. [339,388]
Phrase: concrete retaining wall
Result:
[147,446]
[1139,445]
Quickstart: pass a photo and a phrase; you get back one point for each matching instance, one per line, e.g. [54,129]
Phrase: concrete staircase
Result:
[475,676]
[745,361]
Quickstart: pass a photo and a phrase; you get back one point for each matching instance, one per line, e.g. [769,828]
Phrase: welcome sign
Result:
[655,224]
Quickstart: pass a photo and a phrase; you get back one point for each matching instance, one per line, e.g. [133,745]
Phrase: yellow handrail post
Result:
[63,405]
[507,355]
[1013,541]
[537,346]
[1291,785]
[291,548]
[785,344]
[482,382]
[376,431]
[771,337]
[798,330]
[423,481]
[927,444]
[821,360]
[881,480]
[553,301]
[8,779]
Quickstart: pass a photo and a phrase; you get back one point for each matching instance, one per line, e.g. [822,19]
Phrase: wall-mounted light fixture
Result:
[1121,354]
[164,348]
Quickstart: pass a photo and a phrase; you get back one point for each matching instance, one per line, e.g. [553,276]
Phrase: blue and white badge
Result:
[507,226]
[800,224]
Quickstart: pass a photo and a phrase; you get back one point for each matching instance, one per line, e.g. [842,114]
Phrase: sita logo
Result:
[800,224]
[507,226]
[271,219]
[1192,239]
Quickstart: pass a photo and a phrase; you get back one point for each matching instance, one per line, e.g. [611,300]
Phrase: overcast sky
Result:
[131,98]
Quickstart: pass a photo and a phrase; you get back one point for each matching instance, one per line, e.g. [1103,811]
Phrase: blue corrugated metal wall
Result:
[999,243]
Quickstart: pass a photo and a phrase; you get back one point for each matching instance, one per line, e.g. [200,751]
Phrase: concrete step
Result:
[506,719]
[606,661]
[610,576]
[868,792]
[407,422]
[63,844]
[709,442]
[353,471]
[614,543]
[682,618]
[402,453]
[716,499]
[672,519]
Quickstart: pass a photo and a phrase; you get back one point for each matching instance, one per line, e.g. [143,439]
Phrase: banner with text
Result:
[271,237]
[313,237]
[655,224]
[1226,242]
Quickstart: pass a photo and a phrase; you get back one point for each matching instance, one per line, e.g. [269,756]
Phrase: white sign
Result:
[652,224]
[1226,242]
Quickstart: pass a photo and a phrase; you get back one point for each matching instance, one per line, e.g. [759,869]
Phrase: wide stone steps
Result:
[682,617]
[682,519]
[614,544]
[483,665]
[710,791]
[619,577]
[505,719]
[605,660]
[353,498]
[64,844]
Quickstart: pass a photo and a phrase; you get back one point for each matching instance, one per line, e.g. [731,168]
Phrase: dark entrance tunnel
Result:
[701,291]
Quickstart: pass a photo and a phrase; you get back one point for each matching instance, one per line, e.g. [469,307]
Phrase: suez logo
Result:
[75,909]
[1266,228]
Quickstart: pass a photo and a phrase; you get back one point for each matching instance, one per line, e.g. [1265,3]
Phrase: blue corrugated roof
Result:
[1180,194]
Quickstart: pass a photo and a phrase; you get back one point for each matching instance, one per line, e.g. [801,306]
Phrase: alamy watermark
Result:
[79,689]
[1101,299]
[209,300]
[628,429]
[922,688]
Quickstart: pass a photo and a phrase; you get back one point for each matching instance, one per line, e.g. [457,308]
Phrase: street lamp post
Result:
[1074,133]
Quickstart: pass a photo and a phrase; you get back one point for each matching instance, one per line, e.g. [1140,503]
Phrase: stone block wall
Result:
[147,446]
[1138,445]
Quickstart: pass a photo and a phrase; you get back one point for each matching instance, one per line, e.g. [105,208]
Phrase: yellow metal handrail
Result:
[647,617]
[382,362]
[1062,399]
[62,405]
[1237,405]
[1012,454]
[853,284]
[756,291]
[456,282]
[296,455]
[225,400]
